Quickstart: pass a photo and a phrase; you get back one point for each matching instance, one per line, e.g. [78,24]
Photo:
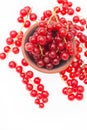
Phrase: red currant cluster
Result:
[34,86]
[51,43]
[54,40]
[26,15]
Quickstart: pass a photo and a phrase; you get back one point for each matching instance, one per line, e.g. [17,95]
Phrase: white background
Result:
[17,108]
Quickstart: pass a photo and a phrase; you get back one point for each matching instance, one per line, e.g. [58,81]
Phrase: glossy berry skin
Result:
[29,87]
[2,56]
[27,24]
[29,74]
[7,49]
[9,41]
[23,12]
[33,16]
[71,97]
[40,87]
[13,34]
[37,80]
[33,93]
[79,96]
[41,105]
[19,69]
[12,64]
[15,50]
[20,19]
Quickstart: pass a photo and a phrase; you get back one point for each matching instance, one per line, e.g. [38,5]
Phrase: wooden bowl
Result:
[62,66]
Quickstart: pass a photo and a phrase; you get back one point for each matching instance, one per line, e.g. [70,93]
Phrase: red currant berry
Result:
[40,87]
[18,43]
[79,96]
[45,100]
[71,97]
[27,8]
[70,11]
[9,41]
[29,74]
[33,93]
[27,24]
[29,86]
[64,91]
[13,34]
[19,69]
[45,94]
[12,64]
[41,105]
[15,50]
[37,80]
[7,49]
[37,101]
[23,12]
[78,9]
[2,56]
[20,19]
[24,62]
[33,16]
[80,89]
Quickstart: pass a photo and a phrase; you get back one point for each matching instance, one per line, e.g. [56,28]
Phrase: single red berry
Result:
[19,69]
[39,96]
[2,55]
[9,41]
[25,80]
[71,97]
[23,12]
[79,96]
[83,21]
[47,13]
[29,86]
[13,34]
[64,90]
[29,47]
[18,43]
[80,89]
[33,93]
[41,105]
[70,11]
[33,16]
[12,64]
[15,50]
[85,81]
[45,100]
[20,19]
[37,101]
[27,8]
[37,80]
[45,94]
[7,49]
[65,56]
[24,62]
[85,53]
[22,75]
[76,19]
[78,9]
[27,24]
[41,40]
[29,74]
[40,87]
